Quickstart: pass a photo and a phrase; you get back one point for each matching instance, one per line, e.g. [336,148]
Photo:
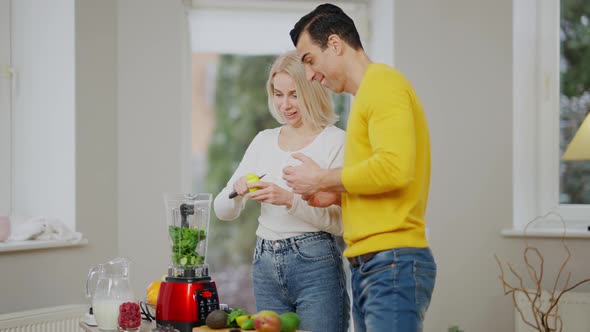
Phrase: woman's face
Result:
[285,99]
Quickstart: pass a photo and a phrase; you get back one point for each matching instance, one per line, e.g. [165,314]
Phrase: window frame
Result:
[6,82]
[48,188]
[536,119]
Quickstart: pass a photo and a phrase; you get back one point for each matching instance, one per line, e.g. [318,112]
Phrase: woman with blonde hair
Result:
[297,264]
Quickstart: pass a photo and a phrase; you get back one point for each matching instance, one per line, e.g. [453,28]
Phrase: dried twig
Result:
[544,321]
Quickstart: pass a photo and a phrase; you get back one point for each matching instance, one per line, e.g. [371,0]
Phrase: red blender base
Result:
[185,304]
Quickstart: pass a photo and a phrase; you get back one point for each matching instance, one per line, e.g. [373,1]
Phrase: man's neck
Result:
[356,66]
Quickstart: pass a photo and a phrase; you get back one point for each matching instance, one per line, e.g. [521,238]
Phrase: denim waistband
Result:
[274,245]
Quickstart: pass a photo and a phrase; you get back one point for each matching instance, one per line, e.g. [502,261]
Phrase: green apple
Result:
[252,178]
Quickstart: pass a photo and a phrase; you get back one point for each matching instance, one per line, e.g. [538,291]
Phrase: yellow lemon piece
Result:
[152,292]
[241,319]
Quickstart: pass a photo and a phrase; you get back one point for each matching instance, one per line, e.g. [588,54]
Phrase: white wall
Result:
[153,129]
[458,54]
[96,132]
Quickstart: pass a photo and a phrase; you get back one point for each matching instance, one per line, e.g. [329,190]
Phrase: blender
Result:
[188,294]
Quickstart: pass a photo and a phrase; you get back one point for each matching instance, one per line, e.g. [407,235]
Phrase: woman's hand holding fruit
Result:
[270,193]
[241,185]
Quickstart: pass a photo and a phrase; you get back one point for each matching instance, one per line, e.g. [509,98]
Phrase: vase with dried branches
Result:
[545,311]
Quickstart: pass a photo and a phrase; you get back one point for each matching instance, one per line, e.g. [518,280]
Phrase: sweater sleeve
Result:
[391,135]
[230,209]
[326,219]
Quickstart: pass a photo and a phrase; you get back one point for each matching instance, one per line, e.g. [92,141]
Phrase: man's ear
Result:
[335,43]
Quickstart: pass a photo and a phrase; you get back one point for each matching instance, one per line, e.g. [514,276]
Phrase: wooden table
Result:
[207,329]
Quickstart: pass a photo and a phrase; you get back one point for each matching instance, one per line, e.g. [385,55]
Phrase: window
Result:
[574,188]
[546,113]
[229,70]
[37,109]
[5,101]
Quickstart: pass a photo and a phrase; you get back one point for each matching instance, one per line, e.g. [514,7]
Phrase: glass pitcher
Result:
[108,285]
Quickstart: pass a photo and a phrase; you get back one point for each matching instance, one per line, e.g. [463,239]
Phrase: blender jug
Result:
[108,285]
[187,216]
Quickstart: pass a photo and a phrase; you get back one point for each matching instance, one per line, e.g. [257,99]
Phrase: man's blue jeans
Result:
[303,274]
[392,291]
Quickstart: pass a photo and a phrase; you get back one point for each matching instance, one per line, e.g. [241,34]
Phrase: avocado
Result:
[216,319]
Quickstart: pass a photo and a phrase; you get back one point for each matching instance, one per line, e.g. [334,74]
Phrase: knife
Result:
[234,193]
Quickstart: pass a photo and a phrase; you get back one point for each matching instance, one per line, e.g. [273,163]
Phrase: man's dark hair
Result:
[324,21]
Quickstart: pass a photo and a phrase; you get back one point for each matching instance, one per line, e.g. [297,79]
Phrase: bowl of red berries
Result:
[129,317]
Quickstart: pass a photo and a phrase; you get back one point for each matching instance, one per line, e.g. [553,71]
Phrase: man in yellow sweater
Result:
[383,185]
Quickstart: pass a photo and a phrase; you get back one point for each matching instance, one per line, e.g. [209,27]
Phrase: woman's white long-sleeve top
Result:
[264,156]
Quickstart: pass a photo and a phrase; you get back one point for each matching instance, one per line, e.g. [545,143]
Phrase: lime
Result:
[289,322]
[241,319]
[247,324]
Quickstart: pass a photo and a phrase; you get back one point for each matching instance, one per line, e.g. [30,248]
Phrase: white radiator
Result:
[55,319]
[574,309]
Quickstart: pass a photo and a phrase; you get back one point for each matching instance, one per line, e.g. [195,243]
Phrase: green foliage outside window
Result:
[575,95]
[240,113]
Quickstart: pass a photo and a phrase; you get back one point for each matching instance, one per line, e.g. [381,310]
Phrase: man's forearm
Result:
[330,180]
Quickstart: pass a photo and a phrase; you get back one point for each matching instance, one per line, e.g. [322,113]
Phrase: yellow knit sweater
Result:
[386,168]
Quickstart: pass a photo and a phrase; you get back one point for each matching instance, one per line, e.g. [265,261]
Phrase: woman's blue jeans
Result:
[303,274]
[392,290]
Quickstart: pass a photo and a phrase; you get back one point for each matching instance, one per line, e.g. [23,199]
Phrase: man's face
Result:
[320,65]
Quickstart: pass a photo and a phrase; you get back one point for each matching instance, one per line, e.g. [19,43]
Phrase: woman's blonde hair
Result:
[315,102]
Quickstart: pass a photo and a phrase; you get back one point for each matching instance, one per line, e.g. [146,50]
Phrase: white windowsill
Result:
[547,233]
[36,244]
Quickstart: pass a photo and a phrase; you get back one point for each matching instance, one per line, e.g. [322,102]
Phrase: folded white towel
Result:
[4,228]
[40,228]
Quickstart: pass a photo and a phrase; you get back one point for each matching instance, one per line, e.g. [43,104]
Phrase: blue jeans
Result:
[392,290]
[303,274]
